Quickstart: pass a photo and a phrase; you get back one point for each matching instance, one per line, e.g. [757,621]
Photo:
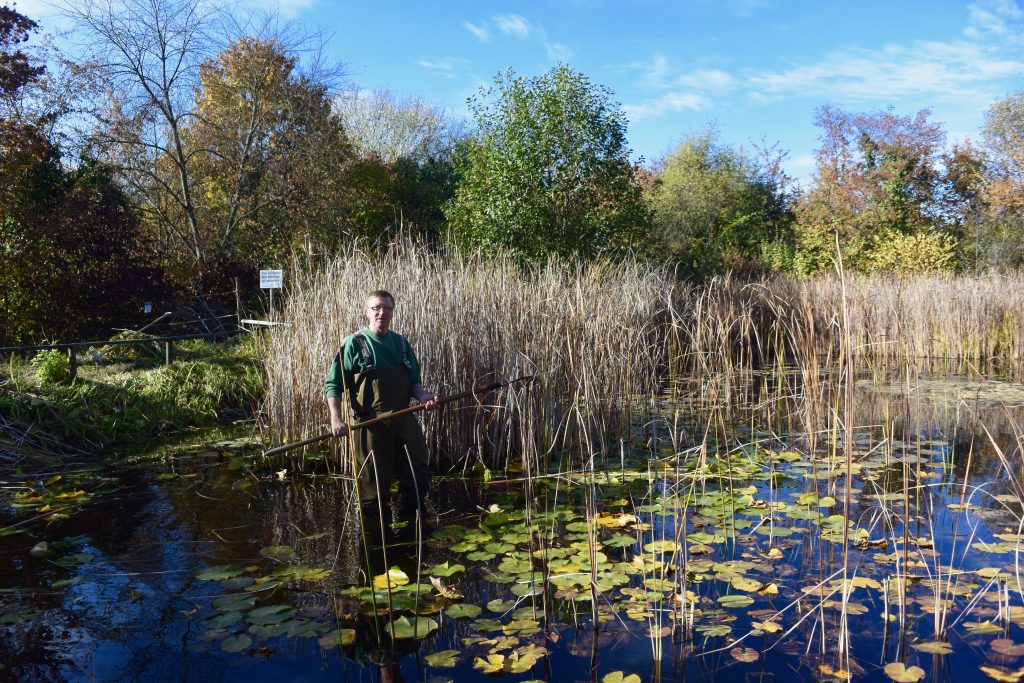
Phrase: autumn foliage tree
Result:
[269,154]
[72,260]
[878,188]
[998,236]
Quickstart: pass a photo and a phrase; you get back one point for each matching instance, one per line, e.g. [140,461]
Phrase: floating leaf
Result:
[744,654]
[480,556]
[491,664]
[620,541]
[443,659]
[278,552]
[934,647]
[499,605]
[74,560]
[463,611]
[767,626]
[1002,675]
[446,569]
[219,573]
[237,601]
[744,584]
[982,628]
[733,601]
[1007,647]
[393,578]
[620,677]
[341,636]
[272,614]
[900,673]
[517,664]
[665,547]
[417,627]
[223,620]
[236,643]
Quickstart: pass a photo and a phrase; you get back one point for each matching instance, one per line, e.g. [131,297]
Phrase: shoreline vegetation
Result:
[122,398]
[606,342]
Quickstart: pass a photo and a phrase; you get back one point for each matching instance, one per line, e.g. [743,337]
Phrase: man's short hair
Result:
[381,294]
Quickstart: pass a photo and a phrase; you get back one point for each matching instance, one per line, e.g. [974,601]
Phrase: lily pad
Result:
[744,654]
[464,611]
[443,659]
[620,677]
[219,573]
[447,569]
[900,673]
[417,627]
[236,643]
[341,636]
[278,552]
[935,647]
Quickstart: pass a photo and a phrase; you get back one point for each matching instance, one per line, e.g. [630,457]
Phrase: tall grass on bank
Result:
[601,337]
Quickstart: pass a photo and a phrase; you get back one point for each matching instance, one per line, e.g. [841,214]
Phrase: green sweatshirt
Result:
[385,350]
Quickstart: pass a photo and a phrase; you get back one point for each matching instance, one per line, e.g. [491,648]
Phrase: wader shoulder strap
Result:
[405,354]
[360,342]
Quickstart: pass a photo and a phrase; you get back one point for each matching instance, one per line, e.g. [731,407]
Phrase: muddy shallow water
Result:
[719,559]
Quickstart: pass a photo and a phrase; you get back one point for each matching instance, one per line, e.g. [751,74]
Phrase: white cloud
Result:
[513,25]
[480,32]
[944,70]
[706,79]
[657,74]
[559,52]
[993,18]
[444,66]
[665,104]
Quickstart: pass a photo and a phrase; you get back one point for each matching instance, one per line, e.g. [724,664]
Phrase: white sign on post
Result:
[271,279]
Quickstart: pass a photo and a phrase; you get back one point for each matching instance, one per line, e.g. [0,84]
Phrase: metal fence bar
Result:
[114,342]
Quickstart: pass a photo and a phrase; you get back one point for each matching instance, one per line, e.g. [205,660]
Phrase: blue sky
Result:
[755,69]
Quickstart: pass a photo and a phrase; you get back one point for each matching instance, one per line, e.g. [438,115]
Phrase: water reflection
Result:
[138,609]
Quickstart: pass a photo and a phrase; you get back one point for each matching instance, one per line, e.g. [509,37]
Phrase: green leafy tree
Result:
[547,171]
[717,208]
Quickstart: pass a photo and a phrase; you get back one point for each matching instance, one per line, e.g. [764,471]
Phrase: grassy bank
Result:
[124,396]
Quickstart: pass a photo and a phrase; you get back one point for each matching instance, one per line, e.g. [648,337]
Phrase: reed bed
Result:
[603,339]
[591,336]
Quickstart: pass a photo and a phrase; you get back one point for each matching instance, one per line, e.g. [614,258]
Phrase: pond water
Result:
[723,556]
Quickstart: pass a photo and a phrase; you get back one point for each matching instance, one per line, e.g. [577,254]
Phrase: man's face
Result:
[379,311]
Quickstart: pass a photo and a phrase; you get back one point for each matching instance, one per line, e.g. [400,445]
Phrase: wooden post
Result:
[168,352]
[73,362]
[238,306]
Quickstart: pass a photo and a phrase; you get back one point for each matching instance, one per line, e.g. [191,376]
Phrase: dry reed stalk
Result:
[590,333]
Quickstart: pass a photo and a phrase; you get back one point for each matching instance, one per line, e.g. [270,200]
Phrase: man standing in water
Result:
[380,373]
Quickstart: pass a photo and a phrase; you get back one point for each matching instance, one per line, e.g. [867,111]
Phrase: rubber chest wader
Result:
[395,448]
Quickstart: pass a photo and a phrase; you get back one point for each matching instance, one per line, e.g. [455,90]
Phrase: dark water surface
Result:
[122,590]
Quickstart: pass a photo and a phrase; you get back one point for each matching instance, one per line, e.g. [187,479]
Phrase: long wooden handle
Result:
[389,416]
